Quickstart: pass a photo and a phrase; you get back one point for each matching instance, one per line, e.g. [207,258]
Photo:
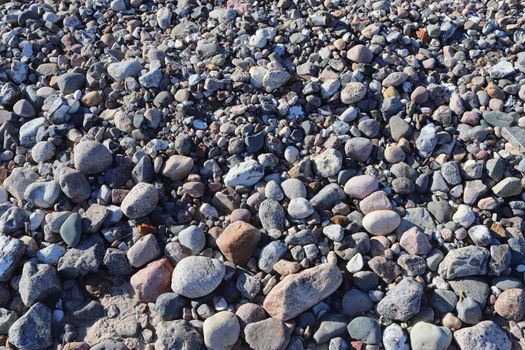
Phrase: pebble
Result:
[177,167]
[197,276]
[140,201]
[425,335]
[143,251]
[221,330]
[91,157]
[244,174]
[71,230]
[381,222]
[403,301]
[484,334]
[266,334]
[360,186]
[365,329]
[193,238]
[152,280]
[238,241]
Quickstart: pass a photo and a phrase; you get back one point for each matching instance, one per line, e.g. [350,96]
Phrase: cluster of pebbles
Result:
[268,175]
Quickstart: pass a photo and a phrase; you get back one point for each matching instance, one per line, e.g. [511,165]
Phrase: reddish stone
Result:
[153,280]
[238,241]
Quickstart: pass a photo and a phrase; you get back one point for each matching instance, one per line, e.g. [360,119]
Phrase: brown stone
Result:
[511,304]
[298,292]
[153,280]
[238,241]
[91,99]
[377,200]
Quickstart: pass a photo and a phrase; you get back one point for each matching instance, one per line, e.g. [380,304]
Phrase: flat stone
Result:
[360,186]
[86,257]
[298,292]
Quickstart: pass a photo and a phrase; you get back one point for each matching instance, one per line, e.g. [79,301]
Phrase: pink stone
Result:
[375,201]
[153,280]
[361,186]
[414,241]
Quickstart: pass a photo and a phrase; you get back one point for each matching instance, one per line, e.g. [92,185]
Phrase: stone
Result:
[197,276]
[116,261]
[268,334]
[484,335]
[11,252]
[18,181]
[74,184]
[271,215]
[42,194]
[143,251]
[498,118]
[356,302]
[361,186]
[38,282]
[469,311]
[480,235]
[511,304]
[501,70]
[426,140]
[192,238]
[24,109]
[50,254]
[293,188]
[140,201]
[425,335]
[331,326]
[177,167]
[377,200]
[463,262]
[71,231]
[170,306]
[70,82]
[353,92]
[221,330]
[381,222]
[473,287]
[94,217]
[7,318]
[152,280]
[403,301]
[394,338]
[508,187]
[359,148]
[360,54]
[270,254]
[33,329]
[245,174]
[300,208]
[86,257]
[365,329]
[29,130]
[178,334]
[328,196]
[298,292]
[91,157]
[238,241]
[416,242]
[125,69]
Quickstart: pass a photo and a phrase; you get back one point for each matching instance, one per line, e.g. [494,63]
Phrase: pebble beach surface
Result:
[266,175]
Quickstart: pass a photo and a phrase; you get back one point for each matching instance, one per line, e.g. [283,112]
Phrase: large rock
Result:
[38,282]
[298,292]
[463,262]
[197,276]
[511,304]
[485,335]
[33,329]
[238,241]
[403,301]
